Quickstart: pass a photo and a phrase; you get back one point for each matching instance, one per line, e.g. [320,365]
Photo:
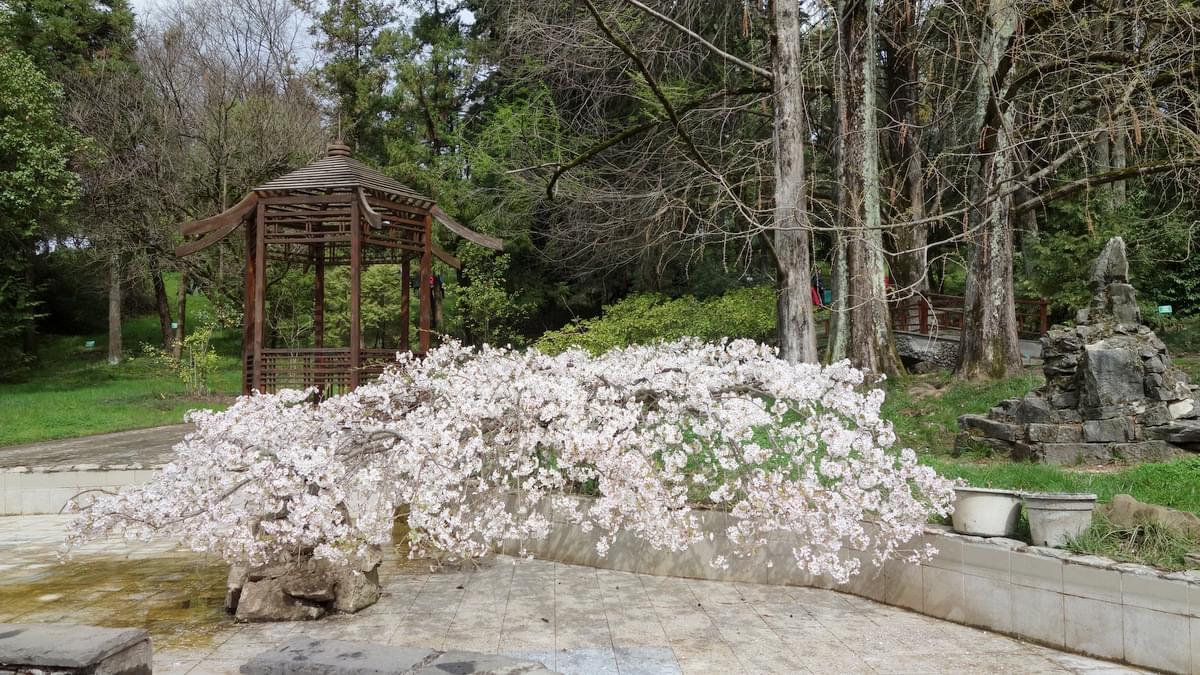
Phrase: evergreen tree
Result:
[37,189]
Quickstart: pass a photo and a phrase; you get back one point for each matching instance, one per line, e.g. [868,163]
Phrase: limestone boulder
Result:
[1111,430]
[356,590]
[1110,376]
[266,600]
[1112,266]
[1125,511]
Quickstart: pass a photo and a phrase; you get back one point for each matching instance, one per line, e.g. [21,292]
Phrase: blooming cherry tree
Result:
[471,445]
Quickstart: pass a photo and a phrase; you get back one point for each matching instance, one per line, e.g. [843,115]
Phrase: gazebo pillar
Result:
[260,292]
[318,315]
[248,312]
[355,294]
[405,300]
[424,335]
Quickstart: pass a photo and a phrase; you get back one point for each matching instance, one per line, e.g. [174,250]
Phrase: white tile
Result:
[1036,571]
[1153,639]
[1037,614]
[1094,627]
[988,603]
[1095,583]
[1147,592]
[943,593]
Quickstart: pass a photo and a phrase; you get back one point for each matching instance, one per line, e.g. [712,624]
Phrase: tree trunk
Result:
[797,334]
[839,323]
[114,310]
[910,258]
[871,347]
[989,345]
[181,312]
[162,304]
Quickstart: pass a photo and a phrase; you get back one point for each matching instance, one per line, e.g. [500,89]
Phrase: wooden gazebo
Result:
[335,211]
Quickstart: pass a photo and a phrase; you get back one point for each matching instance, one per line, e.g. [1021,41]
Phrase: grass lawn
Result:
[72,391]
[925,409]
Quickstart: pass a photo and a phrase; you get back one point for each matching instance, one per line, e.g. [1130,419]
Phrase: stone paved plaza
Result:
[573,619]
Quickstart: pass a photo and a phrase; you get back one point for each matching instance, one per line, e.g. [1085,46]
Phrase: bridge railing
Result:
[934,313]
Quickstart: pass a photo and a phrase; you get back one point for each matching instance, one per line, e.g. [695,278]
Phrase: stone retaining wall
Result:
[42,490]
[1084,604]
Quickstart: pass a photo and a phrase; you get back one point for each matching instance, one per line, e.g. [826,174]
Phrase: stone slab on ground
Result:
[140,447]
[307,656]
[66,648]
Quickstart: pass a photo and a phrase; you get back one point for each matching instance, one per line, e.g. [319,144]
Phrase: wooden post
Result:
[424,335]
[405,318]
[248,311]
[318,379]
[923,313]
[355,292]
[260,291]
[319,296]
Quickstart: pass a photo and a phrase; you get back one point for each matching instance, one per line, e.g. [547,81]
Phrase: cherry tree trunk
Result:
[797,334]
[870,346]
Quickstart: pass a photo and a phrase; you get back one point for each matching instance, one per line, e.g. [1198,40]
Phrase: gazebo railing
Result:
[327,368]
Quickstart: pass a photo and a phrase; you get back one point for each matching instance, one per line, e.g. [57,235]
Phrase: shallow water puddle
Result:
[178,600]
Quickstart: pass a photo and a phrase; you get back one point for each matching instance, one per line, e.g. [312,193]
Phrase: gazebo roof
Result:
[338,170]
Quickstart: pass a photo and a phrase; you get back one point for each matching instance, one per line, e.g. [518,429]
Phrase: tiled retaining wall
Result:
[39,490]
[1085,604]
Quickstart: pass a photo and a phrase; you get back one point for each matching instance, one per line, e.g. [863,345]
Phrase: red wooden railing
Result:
[929,314]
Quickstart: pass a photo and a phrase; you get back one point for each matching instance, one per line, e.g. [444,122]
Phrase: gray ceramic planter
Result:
[1056,517]
[985,512]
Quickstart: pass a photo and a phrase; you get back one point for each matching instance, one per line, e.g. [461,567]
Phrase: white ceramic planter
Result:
[1055,517]
[985,512]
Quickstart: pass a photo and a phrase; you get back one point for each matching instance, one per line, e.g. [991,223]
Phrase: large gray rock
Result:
[1125,511]
[1109,376]
[1054,433]
[1121,301]
[1111,430]
[356,590]
[1144,451]
[64,649]
[1072,454]
[1112,266]
[990,428]
[306,656]
[266,600]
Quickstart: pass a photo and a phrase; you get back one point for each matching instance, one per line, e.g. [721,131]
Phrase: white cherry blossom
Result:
[476,446]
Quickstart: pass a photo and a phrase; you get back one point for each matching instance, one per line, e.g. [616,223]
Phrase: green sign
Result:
[1165,309]
[90,344]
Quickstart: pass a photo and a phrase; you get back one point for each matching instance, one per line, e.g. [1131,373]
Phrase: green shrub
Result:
[650,317]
